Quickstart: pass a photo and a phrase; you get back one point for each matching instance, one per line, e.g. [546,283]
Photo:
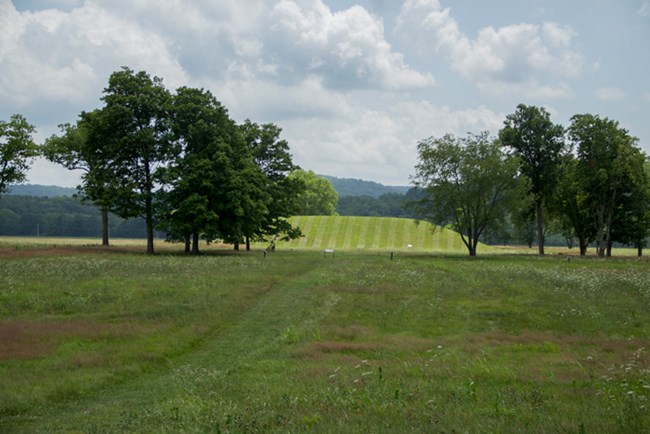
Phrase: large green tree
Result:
[17,150]
[135,136]
[318,196]
[74,151]
[570,205]
[540,146]
[611,172]
[468,183]
[271,154]
[203,133]
[630,223]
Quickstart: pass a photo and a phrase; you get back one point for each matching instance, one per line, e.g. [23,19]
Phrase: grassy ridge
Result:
[372,233]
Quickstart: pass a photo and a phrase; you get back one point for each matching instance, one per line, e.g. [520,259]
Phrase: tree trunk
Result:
[472,246]
[608,234]
[187,244]
[600,234]
[195,243]
[149,221]
[237,246]
[569,242]
[248,244]
[540,227]
[105,226]
[148,206]
[583,246]
[639,251]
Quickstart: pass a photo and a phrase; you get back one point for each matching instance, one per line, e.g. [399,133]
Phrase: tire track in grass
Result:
[329,223]
[250,339]
[454,241]
[363,223]
[349,231]
[317,241]
[379,229]
[392,232]
[338,224]
[422,243]
[397,238]
[306,227]
[407,234]
[442,239]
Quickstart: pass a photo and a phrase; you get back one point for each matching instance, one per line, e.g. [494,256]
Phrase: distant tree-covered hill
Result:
[31,209]
[343,186]
[386,205]
[61,216]
[358,187]
[41,190]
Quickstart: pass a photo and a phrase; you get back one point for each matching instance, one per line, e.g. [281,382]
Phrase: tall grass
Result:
[295,342]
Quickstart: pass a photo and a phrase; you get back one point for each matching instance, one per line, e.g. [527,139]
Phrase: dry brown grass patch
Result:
[571,356]
[353,332]
[319,350]
[25,340]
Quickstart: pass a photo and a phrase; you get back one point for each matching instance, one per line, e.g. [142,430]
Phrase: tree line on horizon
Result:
[179,162]
[60,216]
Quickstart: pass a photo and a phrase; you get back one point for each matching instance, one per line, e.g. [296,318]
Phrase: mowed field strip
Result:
[373,233]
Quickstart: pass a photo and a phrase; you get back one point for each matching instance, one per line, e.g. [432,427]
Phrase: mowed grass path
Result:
[373,233]
[295,342]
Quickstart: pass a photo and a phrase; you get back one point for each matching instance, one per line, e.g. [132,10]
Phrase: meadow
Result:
[372,234]
[112,340]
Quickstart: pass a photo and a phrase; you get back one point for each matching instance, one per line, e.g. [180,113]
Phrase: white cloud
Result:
[349,96]
[346,48]
[269,101]
[288,39]
[610,94]
[528,58]
[52,56]
[380,144]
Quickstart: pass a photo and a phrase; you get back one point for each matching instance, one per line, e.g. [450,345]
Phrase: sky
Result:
[354,84]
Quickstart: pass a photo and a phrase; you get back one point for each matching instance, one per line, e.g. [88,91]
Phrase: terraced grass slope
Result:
[372,233]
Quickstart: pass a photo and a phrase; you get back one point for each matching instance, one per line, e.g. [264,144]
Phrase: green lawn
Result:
[298,342]
[373,233]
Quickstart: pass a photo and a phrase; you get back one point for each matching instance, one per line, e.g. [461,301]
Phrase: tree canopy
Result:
[318,196]
[468,183]
[75,151]
[17,150]
[194,197]
[540,146]
[181,163]
[612,181]
[271,155]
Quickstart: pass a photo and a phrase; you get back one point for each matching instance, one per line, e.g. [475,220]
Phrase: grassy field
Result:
[320,232]
[102,340]
[372,234]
